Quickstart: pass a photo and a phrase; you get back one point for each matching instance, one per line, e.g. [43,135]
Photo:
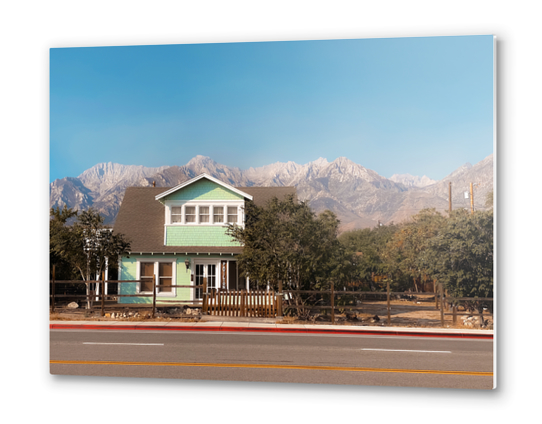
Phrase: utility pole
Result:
[450,196]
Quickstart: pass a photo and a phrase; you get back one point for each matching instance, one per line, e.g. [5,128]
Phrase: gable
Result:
[203,189]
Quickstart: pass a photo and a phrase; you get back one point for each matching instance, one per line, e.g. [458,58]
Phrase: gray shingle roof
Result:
[141,219]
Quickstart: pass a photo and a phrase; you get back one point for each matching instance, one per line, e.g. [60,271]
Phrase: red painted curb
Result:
[267,330]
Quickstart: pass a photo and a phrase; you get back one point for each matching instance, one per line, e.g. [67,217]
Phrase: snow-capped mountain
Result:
[359,196]
[412,181]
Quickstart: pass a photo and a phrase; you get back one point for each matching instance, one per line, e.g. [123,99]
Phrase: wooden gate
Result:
[240,303]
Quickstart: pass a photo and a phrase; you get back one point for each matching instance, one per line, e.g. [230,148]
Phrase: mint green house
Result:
[178,235]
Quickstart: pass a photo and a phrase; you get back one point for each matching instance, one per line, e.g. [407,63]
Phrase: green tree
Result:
[86,245]
[368,246]
[286,241]
[405,253]
[59,236]
[460,256]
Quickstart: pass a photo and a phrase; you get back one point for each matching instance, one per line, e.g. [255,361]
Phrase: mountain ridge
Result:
[359,196]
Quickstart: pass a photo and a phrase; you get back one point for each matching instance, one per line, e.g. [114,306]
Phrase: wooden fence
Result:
[240,303]
[443,302]
[97,298]
[260,303]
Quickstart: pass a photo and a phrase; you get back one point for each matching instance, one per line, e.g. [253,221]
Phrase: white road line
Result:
[403,350]
[129,344]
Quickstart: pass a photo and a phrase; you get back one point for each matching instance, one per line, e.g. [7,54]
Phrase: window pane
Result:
[218,214]
[211,277]
[146,272]
[190,212]
[146,269]
[204,214]
[146,285]
[176,214]
[199,280]
[232,214]
[165,282]
[165,269]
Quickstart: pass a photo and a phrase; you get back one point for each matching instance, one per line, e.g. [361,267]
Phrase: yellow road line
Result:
[272,366]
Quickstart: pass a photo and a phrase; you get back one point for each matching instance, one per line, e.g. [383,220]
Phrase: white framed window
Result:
[164,272]
[146,274]
[204,213]
[218,214]
[232,214]
[176,214]
[190,214]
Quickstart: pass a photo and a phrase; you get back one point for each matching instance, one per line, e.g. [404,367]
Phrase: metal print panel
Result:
[302,211]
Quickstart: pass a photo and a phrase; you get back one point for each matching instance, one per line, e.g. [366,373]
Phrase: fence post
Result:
[204,303]
[441,305]
[153,295]
[279,300]
[436,295]
[454,310]
[388,296]
[103,294]
[332,299]
[205,296]
[53,291]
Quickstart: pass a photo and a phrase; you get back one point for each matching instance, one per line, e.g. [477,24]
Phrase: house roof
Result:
[141,219]
[262,195]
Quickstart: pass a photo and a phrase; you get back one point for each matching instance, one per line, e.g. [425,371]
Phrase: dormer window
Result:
[190,214]
[204,214]
[218,214]
[214,214]
[232,214]
[176,214]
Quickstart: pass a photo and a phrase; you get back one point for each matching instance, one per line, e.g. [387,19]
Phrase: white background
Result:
[30,28]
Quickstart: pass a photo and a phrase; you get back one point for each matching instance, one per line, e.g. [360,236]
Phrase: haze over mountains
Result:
[359,196]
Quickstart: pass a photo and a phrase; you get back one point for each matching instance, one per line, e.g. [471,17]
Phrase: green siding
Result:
[203,190]
[198,235]
[129,272]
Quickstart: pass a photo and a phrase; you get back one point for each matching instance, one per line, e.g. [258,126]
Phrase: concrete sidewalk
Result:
[269,326]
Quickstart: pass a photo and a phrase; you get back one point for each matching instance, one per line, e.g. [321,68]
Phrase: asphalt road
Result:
[277,357]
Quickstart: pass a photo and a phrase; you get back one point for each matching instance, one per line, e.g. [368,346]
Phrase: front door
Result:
[205,273]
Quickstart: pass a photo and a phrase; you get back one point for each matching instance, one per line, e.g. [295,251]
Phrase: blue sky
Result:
[422,106]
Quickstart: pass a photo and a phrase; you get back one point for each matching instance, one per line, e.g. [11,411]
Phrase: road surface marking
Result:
[129,344]
[405,350]
[273,366]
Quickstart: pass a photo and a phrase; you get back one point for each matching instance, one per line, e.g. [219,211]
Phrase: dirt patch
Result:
[409,313]
[404,313]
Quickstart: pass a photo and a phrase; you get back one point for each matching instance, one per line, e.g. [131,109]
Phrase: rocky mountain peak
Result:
[320,162]
[359,196]
[412,181]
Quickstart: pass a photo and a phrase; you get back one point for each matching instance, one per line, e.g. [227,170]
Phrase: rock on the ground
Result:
[73,305]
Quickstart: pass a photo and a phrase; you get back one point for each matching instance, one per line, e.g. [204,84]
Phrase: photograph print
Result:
[316,211]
